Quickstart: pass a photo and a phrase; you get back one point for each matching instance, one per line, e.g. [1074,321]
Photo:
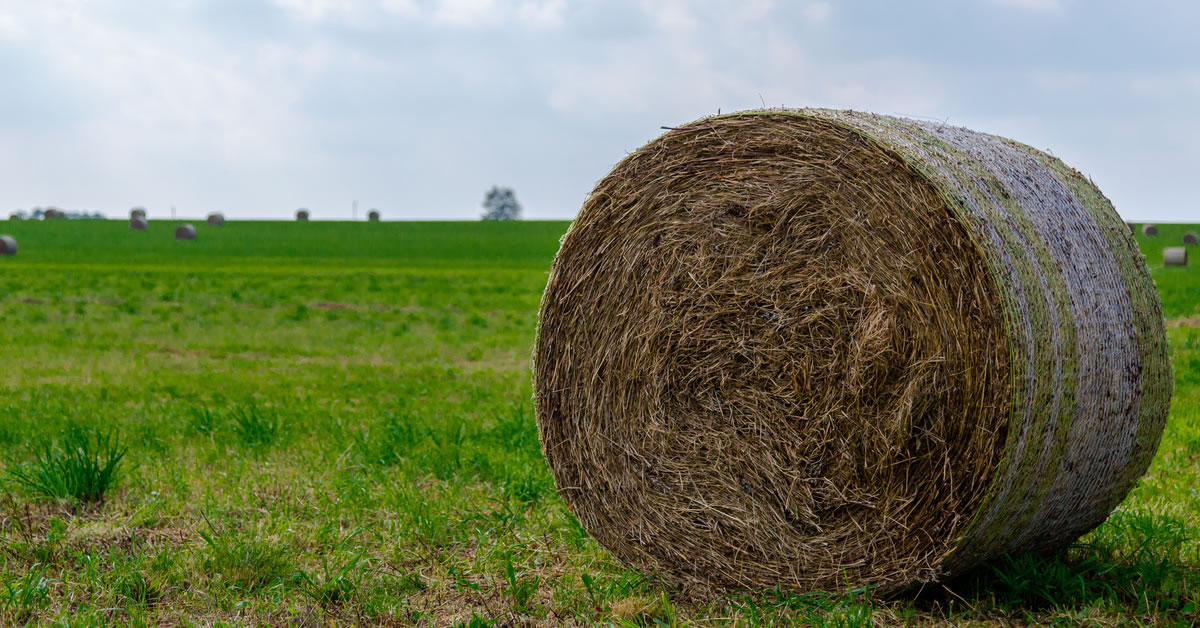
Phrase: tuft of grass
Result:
[254,426]
[82,467]
[246,563]
[27,594]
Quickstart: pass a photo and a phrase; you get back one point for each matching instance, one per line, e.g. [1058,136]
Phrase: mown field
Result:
[326,423]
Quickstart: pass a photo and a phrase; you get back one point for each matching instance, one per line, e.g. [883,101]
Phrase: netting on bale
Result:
[818,349]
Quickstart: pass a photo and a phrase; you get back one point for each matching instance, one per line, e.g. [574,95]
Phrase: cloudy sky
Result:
[417,107]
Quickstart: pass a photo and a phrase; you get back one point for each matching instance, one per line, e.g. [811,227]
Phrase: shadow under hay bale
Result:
[215,219]
[373,215]
[1175,256]
[824,349]
[302,215]
[1190,238]
[185,232]
[8,245]
[137,223]
[1149,230]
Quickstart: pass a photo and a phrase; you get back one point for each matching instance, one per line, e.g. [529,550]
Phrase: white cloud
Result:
[540,14]
[468,12]
[818,12]
[1044,6]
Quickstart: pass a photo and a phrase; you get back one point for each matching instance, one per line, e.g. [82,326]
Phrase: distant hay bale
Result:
[1175,256]
[1132,227]
[8,245]
[373,215]
[185,232]
[14,216]
[1149,230]
[825,349]
[137,223]
[137,212]
[216,219]
[1190,238]
[302,215]
[53,214]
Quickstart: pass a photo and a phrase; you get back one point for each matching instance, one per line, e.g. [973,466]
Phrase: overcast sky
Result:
[417,107]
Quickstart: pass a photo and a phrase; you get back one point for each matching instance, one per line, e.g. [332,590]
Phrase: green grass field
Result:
[316,423]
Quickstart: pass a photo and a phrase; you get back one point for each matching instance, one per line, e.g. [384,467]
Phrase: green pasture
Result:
[330,423]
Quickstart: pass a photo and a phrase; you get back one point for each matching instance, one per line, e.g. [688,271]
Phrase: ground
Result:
[331,423]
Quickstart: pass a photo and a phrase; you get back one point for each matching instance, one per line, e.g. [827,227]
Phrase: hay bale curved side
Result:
[137,212]
[373,215]
[302,215]
[805,348]
[1175,256]
[185,232]
[8,245]
[215,219]
[1190,238]
[137,223]
[1149,230]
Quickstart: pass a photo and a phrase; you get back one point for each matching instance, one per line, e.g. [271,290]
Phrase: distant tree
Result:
[501,204]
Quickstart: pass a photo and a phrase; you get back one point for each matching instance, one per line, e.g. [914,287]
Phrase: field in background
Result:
[332,421]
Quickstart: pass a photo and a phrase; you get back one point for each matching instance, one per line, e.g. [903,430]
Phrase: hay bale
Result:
[819,349]
[185,232]
[53,214]
[8,245]
[137,223]
[215,219]
[1190,239]
[302,215]
[1132,227]
[1149,230]
[1175,256]
[137,212]
[14,216]
[373,215]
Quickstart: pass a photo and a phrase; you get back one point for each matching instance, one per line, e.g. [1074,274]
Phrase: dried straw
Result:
[1149,230]
[819,349]
[185,232]
[1175,256]
[8,245]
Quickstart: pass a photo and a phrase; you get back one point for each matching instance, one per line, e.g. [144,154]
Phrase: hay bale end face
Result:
[8,245]
[816,349]
[1175,256]
[373,215]
[137,212]
[185,232]
[1190,239]
[1149,230]
[137,223]
[216,219]
[302,215]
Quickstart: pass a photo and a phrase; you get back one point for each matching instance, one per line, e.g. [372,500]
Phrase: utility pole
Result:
[172,212]
[354,209]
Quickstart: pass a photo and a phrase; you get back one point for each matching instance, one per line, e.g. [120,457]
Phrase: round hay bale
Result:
[302,215]
[14,216]
[1175,256]
[1149,230]
[216,219]
[1190,239]
[53,214]
[373,215]
[8,245]
[137,223]
[137,212]
[825,349]
[185,232]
